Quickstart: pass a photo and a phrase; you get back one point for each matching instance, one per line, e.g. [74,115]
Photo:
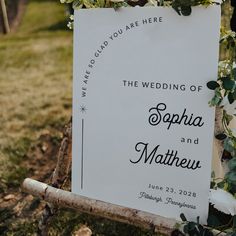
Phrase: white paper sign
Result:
[142,127]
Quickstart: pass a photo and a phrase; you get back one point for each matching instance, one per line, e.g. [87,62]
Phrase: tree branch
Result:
[59,176]
[5,17]
[67,199]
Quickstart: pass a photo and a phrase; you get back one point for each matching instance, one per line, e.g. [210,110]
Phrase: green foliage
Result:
[182,7]
[224,88]
[16,153]
[194,228]
[224,98]
[230,145]
[65,222]
[27,228]
[18,150]
[221,136]
[232,164]
[231,177]
[227,83]
[212,85]
[216,100]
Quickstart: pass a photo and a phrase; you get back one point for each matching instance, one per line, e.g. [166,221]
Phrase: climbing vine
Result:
[223,190]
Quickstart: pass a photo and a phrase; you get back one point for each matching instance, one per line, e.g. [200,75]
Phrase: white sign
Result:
[142,127]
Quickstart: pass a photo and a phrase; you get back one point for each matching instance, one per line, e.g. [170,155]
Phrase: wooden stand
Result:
[60,198]
[63,198]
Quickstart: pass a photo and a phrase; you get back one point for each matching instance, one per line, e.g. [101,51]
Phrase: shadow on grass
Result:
[61,25]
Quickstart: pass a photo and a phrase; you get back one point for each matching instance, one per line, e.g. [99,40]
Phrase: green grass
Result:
[65,222]
[36,71]
[35,82]
[35,98]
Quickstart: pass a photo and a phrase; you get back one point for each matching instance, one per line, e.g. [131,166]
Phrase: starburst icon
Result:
[83,108]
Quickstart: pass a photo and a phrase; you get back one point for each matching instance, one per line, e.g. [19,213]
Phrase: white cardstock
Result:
[142,126]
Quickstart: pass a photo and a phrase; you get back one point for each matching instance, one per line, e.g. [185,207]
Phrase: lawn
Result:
[35,101]
[35,78]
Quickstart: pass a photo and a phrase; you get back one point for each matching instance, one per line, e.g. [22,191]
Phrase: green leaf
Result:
[221,136]
[69,1]
[176,7]
[186,10]
[231,177]
[212,184]
[76,3]
[221,184]
[88,4]
[228,84]
[185,229]
[232,164]
[182,217]
[230,41]
[231,98]
[234,73]
[228,118]
[101,3]
[207,232]
[212,85]
[198,220]
[215,100]
[234,222]
[190,226]
[229,145]
[231,234]
[234,94]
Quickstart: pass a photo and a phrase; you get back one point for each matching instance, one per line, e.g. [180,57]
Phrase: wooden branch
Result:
[63,158]
[60,198]
[5,17]
[63,198]
[59,176]
[218,121]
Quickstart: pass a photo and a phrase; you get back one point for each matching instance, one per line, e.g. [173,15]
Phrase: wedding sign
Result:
[142,127]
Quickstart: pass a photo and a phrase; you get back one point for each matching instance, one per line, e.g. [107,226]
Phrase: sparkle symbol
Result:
[83,109]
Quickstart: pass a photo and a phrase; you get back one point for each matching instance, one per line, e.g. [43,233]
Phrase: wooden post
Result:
[5,17]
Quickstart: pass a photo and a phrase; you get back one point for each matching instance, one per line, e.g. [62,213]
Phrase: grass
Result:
[35,78]
[35,98]
[67,222]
